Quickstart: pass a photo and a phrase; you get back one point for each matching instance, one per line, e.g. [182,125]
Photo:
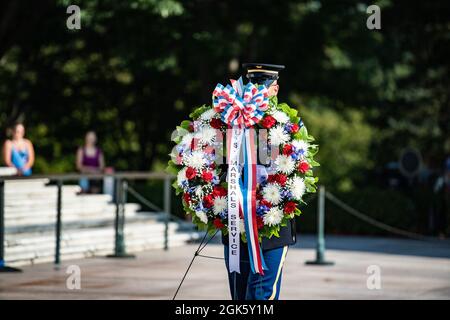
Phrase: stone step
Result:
[80,243]
[25,184]
[7,171]
[42,236]
[68,197]
[77,209]
[84,237]
[87,224]
[13,199]
[47,194]
[73,221]
[68,210]
[175,240]
[82,212]
[137,224]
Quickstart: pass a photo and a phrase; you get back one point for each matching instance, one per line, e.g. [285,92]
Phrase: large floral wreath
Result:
[281,186]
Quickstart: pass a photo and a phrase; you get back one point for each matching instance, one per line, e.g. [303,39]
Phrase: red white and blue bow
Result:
[241,108]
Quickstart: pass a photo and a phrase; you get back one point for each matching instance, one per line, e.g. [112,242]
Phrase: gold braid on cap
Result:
[262,70]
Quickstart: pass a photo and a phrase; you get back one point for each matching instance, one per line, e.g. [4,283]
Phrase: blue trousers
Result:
[249,286]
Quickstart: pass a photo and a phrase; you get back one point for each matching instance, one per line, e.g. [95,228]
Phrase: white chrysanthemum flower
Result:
[199,192]
[280,116]
[220,204]
[297,187]
[273,217]
[301,145]
[208,115]
[195,159]
[271,192]
[206,135]
[285,164]
[202,216]
[181,176]
[241,226]
[278,136]
[187,139]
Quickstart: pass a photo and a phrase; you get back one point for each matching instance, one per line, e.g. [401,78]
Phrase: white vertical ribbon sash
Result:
[234,141]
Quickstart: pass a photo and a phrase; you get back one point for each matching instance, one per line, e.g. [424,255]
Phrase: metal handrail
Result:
[121,189]
[132,175]
[149,204]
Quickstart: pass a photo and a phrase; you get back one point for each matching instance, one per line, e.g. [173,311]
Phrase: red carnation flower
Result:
[303,167]
[287,149]
[278,178]
[194,143]
[259,222]
[219,191]
[294,128]
[207,176]
[268,122]
[208,201]
[187,198]
[290,207]
[218,223]
[191,173]
[215,123]
[282,178]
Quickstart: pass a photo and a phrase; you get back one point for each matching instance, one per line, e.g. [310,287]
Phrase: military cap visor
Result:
[262,73]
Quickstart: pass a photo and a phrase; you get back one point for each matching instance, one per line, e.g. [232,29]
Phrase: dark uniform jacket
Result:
[288,235]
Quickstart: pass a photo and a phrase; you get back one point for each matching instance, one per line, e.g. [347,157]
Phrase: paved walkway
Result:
[409,270]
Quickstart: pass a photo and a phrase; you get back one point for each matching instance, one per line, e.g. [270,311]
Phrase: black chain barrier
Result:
[374,222]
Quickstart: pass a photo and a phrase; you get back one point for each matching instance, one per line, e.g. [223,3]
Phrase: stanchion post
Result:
[167,196]
[3,267]
[320,249]
[117,245]
[58,223]
[119,223]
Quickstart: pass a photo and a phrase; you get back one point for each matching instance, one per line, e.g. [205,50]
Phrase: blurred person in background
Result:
[18,152]
[90,160]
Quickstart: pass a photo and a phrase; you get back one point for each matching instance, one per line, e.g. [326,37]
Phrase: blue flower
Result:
[285,194]
[185,184]
[215,180]
[261,210]
[288,127]
[224,214]
[200,207]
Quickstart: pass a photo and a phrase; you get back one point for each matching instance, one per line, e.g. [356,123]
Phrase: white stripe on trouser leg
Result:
[280,267]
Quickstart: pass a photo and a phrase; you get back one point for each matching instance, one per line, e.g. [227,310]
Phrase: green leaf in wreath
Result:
[273,101]
[314,163]
[297,212]
[172,168]
[304,133]
[185,124]
[197,112]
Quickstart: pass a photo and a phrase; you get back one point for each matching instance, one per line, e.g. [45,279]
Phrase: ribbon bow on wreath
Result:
[242,107]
